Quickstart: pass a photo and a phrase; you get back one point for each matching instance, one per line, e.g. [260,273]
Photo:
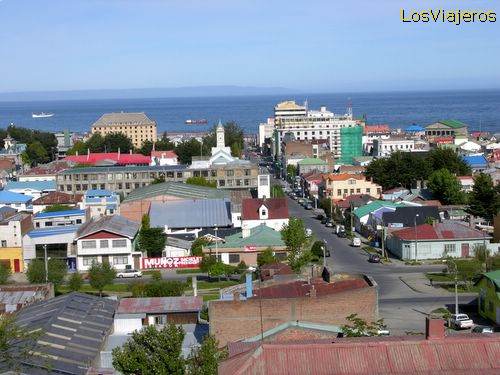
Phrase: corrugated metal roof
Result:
[43,215]
[159,305]
[446,230]
[197,213]
[33,185]
[52,231]
[11,197]
[260,236]
[114,224]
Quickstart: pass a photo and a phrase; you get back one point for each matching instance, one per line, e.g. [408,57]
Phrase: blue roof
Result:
[11,197]
[414,128]
[33,185]
[99,193]
[52,231]
[476,160]
[41,215]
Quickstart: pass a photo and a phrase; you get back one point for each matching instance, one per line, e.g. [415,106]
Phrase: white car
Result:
[309,232]
[461,321]
[128,273]
[356,242]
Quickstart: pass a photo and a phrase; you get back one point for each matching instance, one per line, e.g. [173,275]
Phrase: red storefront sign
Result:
[250,248]
[170,262]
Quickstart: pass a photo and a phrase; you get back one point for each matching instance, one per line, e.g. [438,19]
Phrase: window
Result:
[119,243]
[230,173]
[103,244]
[247,172]
[351,182]
[234,258]
[358,191]
[160,319]
[87,261]
[78,221]
[4,243]
[120,260]
[89,244]
[449,248]
[48,223]
[368,190]
[222,182]
[339,191]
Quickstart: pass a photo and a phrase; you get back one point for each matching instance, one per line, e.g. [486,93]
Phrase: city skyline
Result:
[87,45]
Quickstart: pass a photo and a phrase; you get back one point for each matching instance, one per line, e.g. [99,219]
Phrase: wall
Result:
[276,224]
[10,254]
[488,301]
[236,320]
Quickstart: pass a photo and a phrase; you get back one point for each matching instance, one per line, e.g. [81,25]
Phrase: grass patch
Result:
[210,297]
[439,277]
[187,271]
[216,284]
[370,250]
[462,288]
[413,263]
[86,288]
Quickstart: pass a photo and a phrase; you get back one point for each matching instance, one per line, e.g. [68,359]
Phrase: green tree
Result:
[164,143]
[465,270]
[158,288]
[317,248]
[197,246]
[447,158]
[16,344]
[294,236]
[100,275]
[187,149]
[205,359]
[201,181]
[57,270]
[95,143]
[152,351]
[75,282]
[5,273]
[35,154]
[291,171]
[151,240]
[446,187]
[277,191]
[117,141]
[266,257]
[79,147]
[207,262]
[484,199]
[358,327]
[58,207]
[146,147]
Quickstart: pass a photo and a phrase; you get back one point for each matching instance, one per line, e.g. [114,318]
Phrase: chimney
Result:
[249,284]
[434,329]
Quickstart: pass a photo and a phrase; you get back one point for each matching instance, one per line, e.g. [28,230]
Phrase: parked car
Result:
[324,220]
[301,200]
[128,273]
[329,223]
[309,232]
[342,234]
[356,242]
[461,321]
[309,206]
[374,258]
[483,329]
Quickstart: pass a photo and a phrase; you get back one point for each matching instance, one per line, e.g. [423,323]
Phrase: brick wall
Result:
[236,320]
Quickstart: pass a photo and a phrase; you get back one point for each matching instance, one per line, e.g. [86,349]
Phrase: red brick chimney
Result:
[434,329]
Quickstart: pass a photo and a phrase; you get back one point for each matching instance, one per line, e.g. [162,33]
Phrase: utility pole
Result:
[416,242]
[350,229]
[46,263]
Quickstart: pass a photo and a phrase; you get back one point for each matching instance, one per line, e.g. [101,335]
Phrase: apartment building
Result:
[137,126]
[124,179]
[306,124]
[339,186]
[385,147]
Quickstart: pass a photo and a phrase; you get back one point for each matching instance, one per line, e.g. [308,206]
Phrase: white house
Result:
[107,239]
[273,212]
[164,158]
[101,202]
[385,147]
[19,202]
[59,218]
[34,189]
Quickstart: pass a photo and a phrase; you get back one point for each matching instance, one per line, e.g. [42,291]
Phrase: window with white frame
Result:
[89,244]
[103,244]
[87,261]
[119,243]
[449,248]
[120,260]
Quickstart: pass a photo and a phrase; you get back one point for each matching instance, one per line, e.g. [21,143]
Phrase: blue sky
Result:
[314,45]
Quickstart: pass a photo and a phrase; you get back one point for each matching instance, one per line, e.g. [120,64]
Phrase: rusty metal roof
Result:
[459,354]
[156,305]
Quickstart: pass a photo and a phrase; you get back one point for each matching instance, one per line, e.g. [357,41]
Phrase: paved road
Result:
[402,308]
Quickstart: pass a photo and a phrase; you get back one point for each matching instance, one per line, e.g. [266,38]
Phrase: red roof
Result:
[343,176]
[356,199]
[164,154]
[159,305]
[57,197]
[457,354]
[378,128]
[444,231]
[114,157]
[277,208]
[301,288]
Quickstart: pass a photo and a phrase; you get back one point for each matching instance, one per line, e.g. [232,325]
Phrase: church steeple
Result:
[221,142]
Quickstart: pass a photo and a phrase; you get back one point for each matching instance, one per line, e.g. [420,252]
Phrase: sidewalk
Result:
[420,284]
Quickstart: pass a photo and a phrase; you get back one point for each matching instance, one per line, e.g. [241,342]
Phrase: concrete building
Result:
[60,218]
[101,203]
[272,212]
[339,186]
[291,300]
[164,158]
[385,147]
[351,139]
[108,239]
[45,172]
[308,165]
[34,189]
[446,128]
[136,126]
[436,241]
[13,226]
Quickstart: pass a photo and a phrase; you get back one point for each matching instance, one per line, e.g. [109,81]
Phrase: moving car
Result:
[128,273]
[461,321]
[356,242]
[374,258]
[483,329]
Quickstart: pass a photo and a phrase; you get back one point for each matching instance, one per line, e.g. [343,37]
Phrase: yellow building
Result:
[339,186]
[12,257]
[136,126]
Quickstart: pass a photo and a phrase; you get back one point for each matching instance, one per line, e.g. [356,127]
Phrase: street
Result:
[402,308]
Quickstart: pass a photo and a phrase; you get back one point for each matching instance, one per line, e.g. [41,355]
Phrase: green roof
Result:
[176,189]
[455,124]
[312,161]
[260,236]
[372,206]
[494,276]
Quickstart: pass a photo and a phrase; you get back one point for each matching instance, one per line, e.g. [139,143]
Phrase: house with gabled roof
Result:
[446,128]
[272,212]
[107,239]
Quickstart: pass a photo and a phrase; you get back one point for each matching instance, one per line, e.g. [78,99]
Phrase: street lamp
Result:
[416,242]
[46,263]
[324,253]
[216,247]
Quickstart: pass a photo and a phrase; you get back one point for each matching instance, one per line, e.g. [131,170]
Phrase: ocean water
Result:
[479,109]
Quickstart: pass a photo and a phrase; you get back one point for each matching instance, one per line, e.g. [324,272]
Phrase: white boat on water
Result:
[41,115]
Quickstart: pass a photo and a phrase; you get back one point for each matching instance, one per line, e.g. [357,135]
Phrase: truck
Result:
[461,321]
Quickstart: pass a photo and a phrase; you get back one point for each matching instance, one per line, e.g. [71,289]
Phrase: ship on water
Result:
[200,121]
[41,115]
